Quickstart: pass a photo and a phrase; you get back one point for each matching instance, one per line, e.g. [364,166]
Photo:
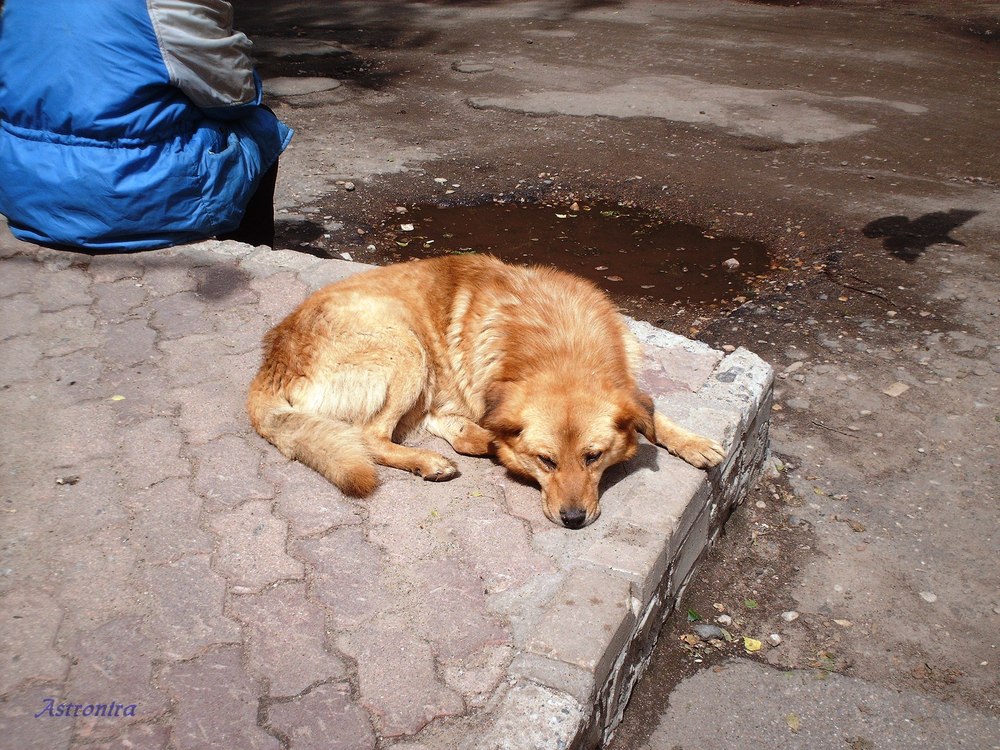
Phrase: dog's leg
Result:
[404,395]
[697,450]
[427,464]
[465,436]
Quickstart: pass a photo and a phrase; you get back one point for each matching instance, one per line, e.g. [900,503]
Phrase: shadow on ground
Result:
[909,239]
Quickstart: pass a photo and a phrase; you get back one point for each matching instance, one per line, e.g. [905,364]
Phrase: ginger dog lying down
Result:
[532,364]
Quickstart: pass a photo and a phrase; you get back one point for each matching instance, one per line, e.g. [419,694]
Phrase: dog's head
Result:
[564,434]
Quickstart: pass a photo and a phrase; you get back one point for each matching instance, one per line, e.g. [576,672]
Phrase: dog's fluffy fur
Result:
[532,364]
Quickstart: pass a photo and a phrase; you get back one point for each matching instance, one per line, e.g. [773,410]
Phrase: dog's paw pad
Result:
[438,470]
[703,453]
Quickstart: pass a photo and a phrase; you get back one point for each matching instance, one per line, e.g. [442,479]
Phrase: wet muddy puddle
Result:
[634,254]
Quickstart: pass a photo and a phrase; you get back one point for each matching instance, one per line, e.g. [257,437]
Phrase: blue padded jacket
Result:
[128,124]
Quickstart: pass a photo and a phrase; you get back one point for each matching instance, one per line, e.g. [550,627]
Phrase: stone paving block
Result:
[78,433]
[531,716]
[279,294]
[67,331]
[201,357]
[210,410]
[498,547]
[166,275]
[114,266]
[166,522]
[19,358]
[67,288]
[118,300]
[128,343]
[309,502]
[328,272]
[18,275]
[179,315]
[397,678]
[27,636]
[567,678]
[587,622]
[18,315]
[83,503]
[451,600]
[348,576]
[251,548]
[113,663]
[227,472]
[91,578]
[138,394]
[323,719]
[407,522]
[264,262]
[477,677]
[187,602]
[637,554]
[150,453]
[287,644]
[217,703]
[136,737]
[656,494]
[79,373]
[19,728]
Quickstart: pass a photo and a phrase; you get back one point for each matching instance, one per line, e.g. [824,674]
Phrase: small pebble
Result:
[928,596]
[730,264]
[348,186]
[707,630]
[790,616]
[724,620]
[774,639]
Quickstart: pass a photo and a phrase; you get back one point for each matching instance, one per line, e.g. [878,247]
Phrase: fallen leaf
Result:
[793,722]
[727,635]
[856,526]
[691,639]
[752,645]
[693,616]
[117,397]
[750,603]
[844,623]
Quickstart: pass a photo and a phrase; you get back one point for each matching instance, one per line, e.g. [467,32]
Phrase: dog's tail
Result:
[334,448]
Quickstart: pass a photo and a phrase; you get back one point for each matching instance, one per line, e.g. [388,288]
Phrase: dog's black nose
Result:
[574,518]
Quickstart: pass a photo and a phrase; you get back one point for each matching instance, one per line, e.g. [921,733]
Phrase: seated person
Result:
[133,124]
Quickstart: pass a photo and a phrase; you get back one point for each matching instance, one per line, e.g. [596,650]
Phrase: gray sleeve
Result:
[205,58]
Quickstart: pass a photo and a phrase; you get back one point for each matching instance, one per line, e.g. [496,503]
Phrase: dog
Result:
[531,364]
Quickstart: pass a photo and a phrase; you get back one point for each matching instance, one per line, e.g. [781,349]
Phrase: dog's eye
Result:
[547,462]
[591,457]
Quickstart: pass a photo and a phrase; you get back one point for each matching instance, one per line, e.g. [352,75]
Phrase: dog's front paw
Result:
[437,469]
[701,452]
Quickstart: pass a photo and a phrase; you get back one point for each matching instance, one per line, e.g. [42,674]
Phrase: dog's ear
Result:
[637,414]
[499,417]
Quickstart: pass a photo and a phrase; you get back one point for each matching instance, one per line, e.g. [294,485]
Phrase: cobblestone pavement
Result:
[160,559]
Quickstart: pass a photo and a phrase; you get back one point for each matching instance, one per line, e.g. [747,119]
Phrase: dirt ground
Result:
[859,141]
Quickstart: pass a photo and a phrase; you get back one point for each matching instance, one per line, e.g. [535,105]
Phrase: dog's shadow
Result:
[647,457]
